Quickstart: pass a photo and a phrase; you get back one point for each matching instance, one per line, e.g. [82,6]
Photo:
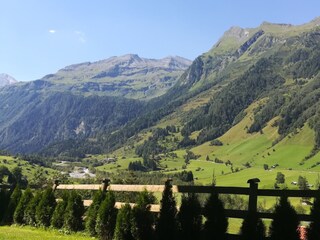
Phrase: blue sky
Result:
[38,37]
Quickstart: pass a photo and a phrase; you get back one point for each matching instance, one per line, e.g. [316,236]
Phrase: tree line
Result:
[104,221]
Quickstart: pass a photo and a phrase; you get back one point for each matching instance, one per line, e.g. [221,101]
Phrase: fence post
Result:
[105,184]
[253,195]
[55,185]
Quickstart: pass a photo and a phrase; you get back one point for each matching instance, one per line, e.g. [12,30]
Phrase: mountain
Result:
[127,76]
[81,101]
[6,79]
[256,89]
[254,96]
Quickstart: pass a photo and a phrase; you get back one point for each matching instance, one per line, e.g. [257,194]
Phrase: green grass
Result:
[29,233]
[28,169]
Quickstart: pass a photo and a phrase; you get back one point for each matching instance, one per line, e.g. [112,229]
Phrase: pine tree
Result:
[216,224]
[123,224]
[74,212]
[13,203]
[57,219]
[45,208]
[4,201]
[106,218]
[30,212]
[93,211]
[166,228]
[313,231]
[252,228]
[190,217]
[142,218]
[18,216]
[285,222]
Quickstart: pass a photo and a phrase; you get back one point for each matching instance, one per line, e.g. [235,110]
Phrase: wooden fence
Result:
[252,191]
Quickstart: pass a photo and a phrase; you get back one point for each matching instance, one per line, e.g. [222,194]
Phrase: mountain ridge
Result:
[129,75]
[210,97]
[6,79]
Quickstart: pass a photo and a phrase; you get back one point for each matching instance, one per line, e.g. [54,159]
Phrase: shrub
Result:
[123,224]
[74,212]
[252,228]
[30,212]
[166,227]
[57,219]
[280,178]
[18,216]
[216,142]
[142,218]
[313,231]
[106,218]
[216,224]
[13,203]
[4,201]
[93,211]
[285,222]
[45,208]
[190,218]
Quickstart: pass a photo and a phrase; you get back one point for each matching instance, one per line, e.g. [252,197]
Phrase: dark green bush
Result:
[166,227]
[216,224]
[123,224]
[74,212]
[106,218]
[18,216]
[45,208]
[190,218]
[92,212]
[285,222]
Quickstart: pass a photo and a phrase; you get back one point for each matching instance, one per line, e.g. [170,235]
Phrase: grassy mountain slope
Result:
[257,92]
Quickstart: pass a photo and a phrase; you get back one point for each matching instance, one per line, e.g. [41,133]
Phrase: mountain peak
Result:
[127,57]
[6,79]
[236,32]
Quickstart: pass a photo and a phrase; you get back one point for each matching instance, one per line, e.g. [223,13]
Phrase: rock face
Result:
[130,76]
[6,79]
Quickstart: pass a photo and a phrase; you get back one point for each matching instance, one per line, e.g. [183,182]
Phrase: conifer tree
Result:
[30,212]
[45,208]
[13,203]
[74,212]
[285,222]
[57,219]
[142,218]
[166,228]
[313,231]
[216,224]
[252,228]
[18,216]
[190,217]
[93,211]
[123,224]
[4,201]
[106,218]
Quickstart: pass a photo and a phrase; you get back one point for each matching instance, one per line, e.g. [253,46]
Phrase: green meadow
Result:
[30,233]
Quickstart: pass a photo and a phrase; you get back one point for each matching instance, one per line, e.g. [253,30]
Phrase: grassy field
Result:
[29,233]
[28,169]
